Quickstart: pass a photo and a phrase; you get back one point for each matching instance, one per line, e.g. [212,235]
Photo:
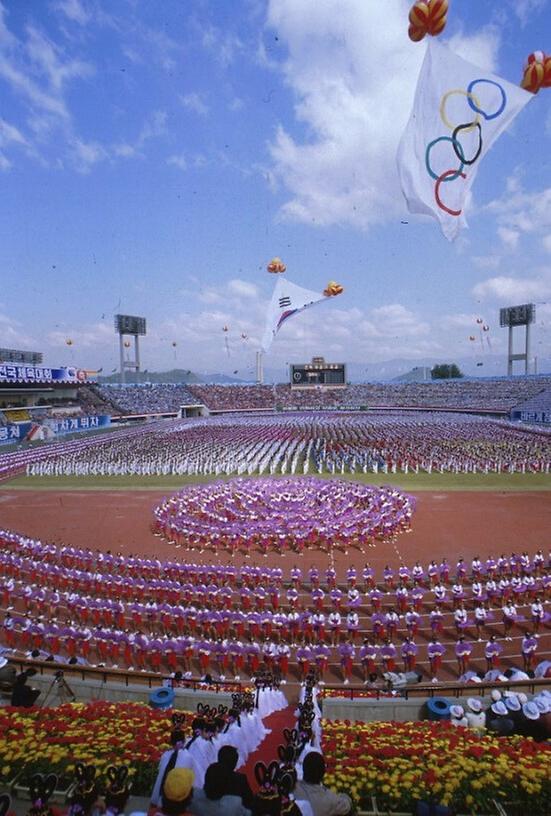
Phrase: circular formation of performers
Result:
[283,514]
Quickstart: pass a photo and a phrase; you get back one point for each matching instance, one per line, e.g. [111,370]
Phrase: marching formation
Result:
[95,607]
[302,443]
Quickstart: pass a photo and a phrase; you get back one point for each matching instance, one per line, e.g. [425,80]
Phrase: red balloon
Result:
[533,77]
[546,81]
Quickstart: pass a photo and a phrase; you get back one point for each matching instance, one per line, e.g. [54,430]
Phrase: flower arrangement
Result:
[39,740]
[402,763]
[353,694]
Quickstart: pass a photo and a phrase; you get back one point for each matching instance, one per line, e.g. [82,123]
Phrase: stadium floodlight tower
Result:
[129,326]
[510,317]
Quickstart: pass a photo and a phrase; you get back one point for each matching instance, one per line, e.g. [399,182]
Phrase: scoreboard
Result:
[129,324]
[518,315]
[318,373]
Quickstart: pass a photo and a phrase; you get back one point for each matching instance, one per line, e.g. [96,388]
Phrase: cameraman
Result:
[22,695]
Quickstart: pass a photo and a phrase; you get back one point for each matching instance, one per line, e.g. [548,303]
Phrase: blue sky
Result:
[155,156]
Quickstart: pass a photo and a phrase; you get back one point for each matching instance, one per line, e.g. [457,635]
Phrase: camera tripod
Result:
[65,693]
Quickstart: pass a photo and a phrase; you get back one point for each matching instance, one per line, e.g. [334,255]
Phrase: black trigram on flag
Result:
[284,302]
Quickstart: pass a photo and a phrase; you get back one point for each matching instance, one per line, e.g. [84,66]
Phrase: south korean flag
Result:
[288,300]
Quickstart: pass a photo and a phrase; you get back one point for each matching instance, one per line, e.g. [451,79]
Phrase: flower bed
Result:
[39,740]
[353,694]
[401,763]
[283,514]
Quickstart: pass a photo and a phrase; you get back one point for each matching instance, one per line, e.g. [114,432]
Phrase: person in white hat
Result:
[499,720]
[476,717]
[457,716]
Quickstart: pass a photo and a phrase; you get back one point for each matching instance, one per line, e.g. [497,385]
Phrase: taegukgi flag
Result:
[288,300]
[458,112]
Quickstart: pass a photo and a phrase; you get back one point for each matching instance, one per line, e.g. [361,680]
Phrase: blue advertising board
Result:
[20,431]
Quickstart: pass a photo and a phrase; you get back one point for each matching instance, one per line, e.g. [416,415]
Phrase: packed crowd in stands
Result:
[500,395]
[147,398]
[302,443]
[142,614]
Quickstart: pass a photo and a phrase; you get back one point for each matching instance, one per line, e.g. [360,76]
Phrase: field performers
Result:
[435,652]
[492,651]
[283,514]
[347,652]
[463,650]
[368,654]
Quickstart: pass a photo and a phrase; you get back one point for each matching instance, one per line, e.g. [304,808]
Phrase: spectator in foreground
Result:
[212,799]
[323,801]
[178,792]
[236,783]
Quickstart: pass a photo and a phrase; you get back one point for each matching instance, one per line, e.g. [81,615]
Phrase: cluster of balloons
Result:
[276,266]
[333,289]
[427,17]
[537,72]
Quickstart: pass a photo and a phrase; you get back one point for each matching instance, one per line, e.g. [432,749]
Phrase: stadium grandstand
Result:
[493,395]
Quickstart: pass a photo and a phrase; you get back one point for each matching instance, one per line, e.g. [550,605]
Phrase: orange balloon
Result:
[416,34]
[333,289]
[419,14]
[533,77]
[276,266]
[438,10]
[546,81]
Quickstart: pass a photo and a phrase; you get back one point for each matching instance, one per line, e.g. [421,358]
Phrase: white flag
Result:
[288,300]
[458,112]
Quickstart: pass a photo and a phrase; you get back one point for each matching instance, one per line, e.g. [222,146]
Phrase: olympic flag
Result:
[458,112]
[288,300]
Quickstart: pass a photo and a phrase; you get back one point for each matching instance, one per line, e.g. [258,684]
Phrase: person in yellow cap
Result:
[177,792]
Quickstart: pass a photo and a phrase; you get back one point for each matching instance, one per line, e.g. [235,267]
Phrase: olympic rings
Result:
[440,179]
[460,154]
[469,96]
[458,150]
[476,104]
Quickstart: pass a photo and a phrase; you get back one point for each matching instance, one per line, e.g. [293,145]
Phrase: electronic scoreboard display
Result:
[318,373]
[517,315]
[129,324]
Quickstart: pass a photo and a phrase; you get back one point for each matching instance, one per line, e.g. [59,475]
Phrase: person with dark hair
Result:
[22,695]
[323,801]
[237,783]
[212,799]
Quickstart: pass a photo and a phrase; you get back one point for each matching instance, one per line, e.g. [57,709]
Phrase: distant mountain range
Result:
[489,365]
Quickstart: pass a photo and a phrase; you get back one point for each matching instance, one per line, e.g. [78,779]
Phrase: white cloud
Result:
[243,289]
[503,288]
[486,261]
[87,154]
[481,48]
[509,237]
[178,160]
[546,241]
[526,9]
[74,10]
[194,102]
[96,334]
[353,82]
[522,211]
[224,45]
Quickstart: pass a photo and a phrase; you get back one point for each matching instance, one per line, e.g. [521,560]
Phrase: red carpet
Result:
[267,750]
